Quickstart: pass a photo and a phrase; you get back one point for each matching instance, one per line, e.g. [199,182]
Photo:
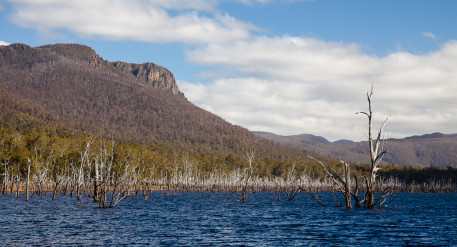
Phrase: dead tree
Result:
[58,179]
[341,183]
[121,183]
[146,179]
[18,183]
[377,149]
[292,185]
[85,162]
[103,170]
[27,183]
[249,158]
[315,196]
[107,178]
[5,178]
[41,172]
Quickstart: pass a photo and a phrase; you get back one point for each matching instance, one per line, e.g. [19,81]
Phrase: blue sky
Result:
[287,67]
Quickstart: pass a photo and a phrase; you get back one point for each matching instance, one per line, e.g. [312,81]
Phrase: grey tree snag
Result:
[28,179]
[249,158]
[343,183]
[339,184]
[377,151]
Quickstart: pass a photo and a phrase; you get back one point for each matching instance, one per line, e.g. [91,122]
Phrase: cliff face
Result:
[150,75]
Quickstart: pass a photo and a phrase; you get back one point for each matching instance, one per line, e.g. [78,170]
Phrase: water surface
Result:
[194,219]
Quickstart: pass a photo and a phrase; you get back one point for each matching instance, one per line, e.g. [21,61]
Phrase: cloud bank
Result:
[132,20]
[293,85]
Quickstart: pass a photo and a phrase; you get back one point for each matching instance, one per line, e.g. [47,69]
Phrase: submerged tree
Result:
[247,178]
[342,182]
[377,151]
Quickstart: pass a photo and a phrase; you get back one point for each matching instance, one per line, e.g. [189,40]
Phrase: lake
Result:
[194,219]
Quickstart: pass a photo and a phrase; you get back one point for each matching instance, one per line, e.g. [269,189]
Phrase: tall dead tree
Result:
[27,183]
[85,162]
[249,158]
[5,178]
[377,149]
[343,183]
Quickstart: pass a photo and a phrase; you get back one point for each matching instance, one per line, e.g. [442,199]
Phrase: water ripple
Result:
[191,219]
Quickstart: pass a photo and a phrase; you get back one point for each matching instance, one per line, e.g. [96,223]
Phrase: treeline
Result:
[421,175]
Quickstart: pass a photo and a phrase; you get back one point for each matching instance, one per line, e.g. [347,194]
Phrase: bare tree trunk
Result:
[355,193]
[249,158]
[55,191]
[18,183]
[5,180]
[347,185]
[12,181]
[27,183]
[96,183]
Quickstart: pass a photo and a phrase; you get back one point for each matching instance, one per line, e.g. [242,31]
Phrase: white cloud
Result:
[293,85]
[3,43]
[205,5]
[132,20]
[428,35]
[251,2]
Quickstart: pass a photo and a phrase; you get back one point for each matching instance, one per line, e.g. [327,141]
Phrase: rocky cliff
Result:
[151,75]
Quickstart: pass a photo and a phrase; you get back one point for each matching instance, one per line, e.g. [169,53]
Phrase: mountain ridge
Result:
[435,149]
[88,92]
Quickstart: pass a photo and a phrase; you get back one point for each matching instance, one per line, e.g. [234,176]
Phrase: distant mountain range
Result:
[437,149]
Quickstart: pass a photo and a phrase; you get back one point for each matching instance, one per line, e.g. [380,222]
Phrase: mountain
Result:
[135,102]
[305,138]
[437,149]
[68,89]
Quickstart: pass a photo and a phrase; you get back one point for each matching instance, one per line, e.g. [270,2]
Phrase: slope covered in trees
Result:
[68,91]
[133,102]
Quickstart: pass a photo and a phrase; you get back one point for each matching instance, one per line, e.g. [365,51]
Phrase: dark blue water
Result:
[190,220]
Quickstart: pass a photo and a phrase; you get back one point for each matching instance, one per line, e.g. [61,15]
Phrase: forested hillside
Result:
[56,97]
[132,102]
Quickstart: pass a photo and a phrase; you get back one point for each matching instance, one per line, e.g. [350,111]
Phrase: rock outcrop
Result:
[150,75]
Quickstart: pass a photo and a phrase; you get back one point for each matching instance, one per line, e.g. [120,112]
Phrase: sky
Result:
[284,66]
